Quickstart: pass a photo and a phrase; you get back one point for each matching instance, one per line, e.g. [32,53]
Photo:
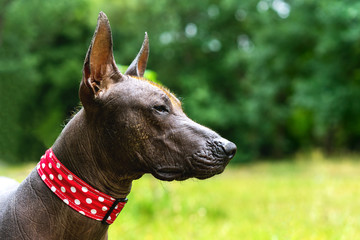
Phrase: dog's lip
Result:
[169,173]
[200,161]
[206,166]
[204,173]
[199,166]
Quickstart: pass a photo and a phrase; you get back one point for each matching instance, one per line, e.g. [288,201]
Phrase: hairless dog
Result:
[127,127]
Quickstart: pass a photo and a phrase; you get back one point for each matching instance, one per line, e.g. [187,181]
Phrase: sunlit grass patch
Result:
[300,199]
[283,200]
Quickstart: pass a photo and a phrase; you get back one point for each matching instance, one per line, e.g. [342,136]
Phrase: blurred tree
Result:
[274,76]
[41,53]
[304,76]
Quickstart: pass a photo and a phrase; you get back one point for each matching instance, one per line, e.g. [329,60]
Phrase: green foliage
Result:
[41,52]
[303,76]
[274,76]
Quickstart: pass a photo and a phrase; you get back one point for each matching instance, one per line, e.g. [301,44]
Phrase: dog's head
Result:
[141,125]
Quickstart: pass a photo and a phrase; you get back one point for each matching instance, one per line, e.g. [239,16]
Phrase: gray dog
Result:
[128,126]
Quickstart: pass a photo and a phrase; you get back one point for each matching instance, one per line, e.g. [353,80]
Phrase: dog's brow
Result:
[174,100]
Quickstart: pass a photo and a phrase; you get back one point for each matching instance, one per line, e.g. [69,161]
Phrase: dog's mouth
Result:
[198,166]
[204,163]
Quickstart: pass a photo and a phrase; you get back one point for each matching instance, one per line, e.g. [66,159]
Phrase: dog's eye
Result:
[161,109]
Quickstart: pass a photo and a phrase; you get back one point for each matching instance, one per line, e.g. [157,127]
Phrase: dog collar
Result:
[77,194]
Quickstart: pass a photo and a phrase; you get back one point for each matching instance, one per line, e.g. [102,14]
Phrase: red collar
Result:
[76,193]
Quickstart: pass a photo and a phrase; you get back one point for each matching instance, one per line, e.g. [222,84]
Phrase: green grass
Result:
[308,198]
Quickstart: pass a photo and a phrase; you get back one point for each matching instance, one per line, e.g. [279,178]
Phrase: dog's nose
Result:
[227,148]
[230,149]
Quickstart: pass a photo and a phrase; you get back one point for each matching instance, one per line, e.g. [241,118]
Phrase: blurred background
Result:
[280,78]
[276,77]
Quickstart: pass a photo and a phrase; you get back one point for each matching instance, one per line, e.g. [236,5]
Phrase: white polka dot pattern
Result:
[74,192]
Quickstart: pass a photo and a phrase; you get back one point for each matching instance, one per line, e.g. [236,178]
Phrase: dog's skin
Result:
[127,127]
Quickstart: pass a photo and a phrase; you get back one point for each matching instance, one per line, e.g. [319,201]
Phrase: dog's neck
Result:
[40,214]
[80,149]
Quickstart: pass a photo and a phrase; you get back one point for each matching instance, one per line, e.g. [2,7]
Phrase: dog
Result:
[127,127]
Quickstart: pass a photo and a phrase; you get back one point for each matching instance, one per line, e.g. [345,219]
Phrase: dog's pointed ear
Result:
[99,69]
[138,66]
